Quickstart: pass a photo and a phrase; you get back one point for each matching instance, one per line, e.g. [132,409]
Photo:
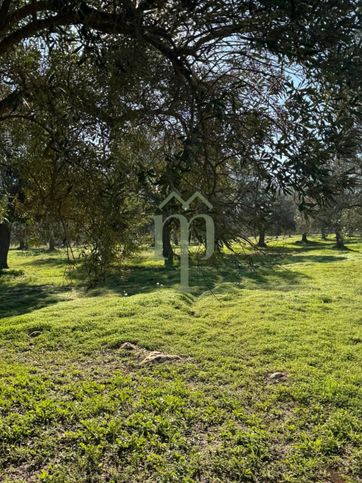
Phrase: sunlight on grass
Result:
[75,406]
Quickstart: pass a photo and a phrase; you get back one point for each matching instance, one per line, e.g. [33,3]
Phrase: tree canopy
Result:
[106,107]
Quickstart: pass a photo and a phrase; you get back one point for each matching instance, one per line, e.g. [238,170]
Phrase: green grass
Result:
[76,407]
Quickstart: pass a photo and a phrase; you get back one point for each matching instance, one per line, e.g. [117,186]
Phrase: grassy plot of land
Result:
[76,406]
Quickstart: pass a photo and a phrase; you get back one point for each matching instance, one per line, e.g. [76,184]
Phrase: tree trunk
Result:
[261,241]
[304,237]
[22,237]
[51,243]
[339,240]
[167,250]
[23,245]
[5,231]
[324,234]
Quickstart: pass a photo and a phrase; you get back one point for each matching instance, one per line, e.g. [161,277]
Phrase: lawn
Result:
[76,405]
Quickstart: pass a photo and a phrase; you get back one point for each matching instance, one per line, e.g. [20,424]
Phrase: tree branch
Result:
[9,19]
[5,5]
[121,23]
[10,103]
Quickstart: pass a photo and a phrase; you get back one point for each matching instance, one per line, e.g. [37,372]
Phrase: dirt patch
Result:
[277,377]
[147,357]
[334,477]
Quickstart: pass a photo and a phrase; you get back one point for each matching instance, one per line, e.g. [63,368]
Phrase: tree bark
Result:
[167,250]
[51,244]
[23,245]
[304,237]
[339,240]
[324,234]
[5,231]
[261,241]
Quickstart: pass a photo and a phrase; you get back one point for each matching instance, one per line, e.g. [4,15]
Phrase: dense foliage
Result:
[108,106]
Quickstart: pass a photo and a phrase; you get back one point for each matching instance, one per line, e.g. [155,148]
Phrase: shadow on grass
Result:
[311,243]
[266,269]
[298,257]
[53,262]
[300,247]
[318,245]
[229,269]
[23,298]
[32,252]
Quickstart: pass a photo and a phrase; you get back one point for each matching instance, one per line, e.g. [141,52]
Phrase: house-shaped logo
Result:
[185,204]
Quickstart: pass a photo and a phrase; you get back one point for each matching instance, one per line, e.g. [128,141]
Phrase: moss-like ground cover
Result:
[77,407]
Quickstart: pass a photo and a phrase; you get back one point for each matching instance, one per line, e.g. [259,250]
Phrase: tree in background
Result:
[219,93]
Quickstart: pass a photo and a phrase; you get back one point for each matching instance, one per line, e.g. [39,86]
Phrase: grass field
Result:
[76,406]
